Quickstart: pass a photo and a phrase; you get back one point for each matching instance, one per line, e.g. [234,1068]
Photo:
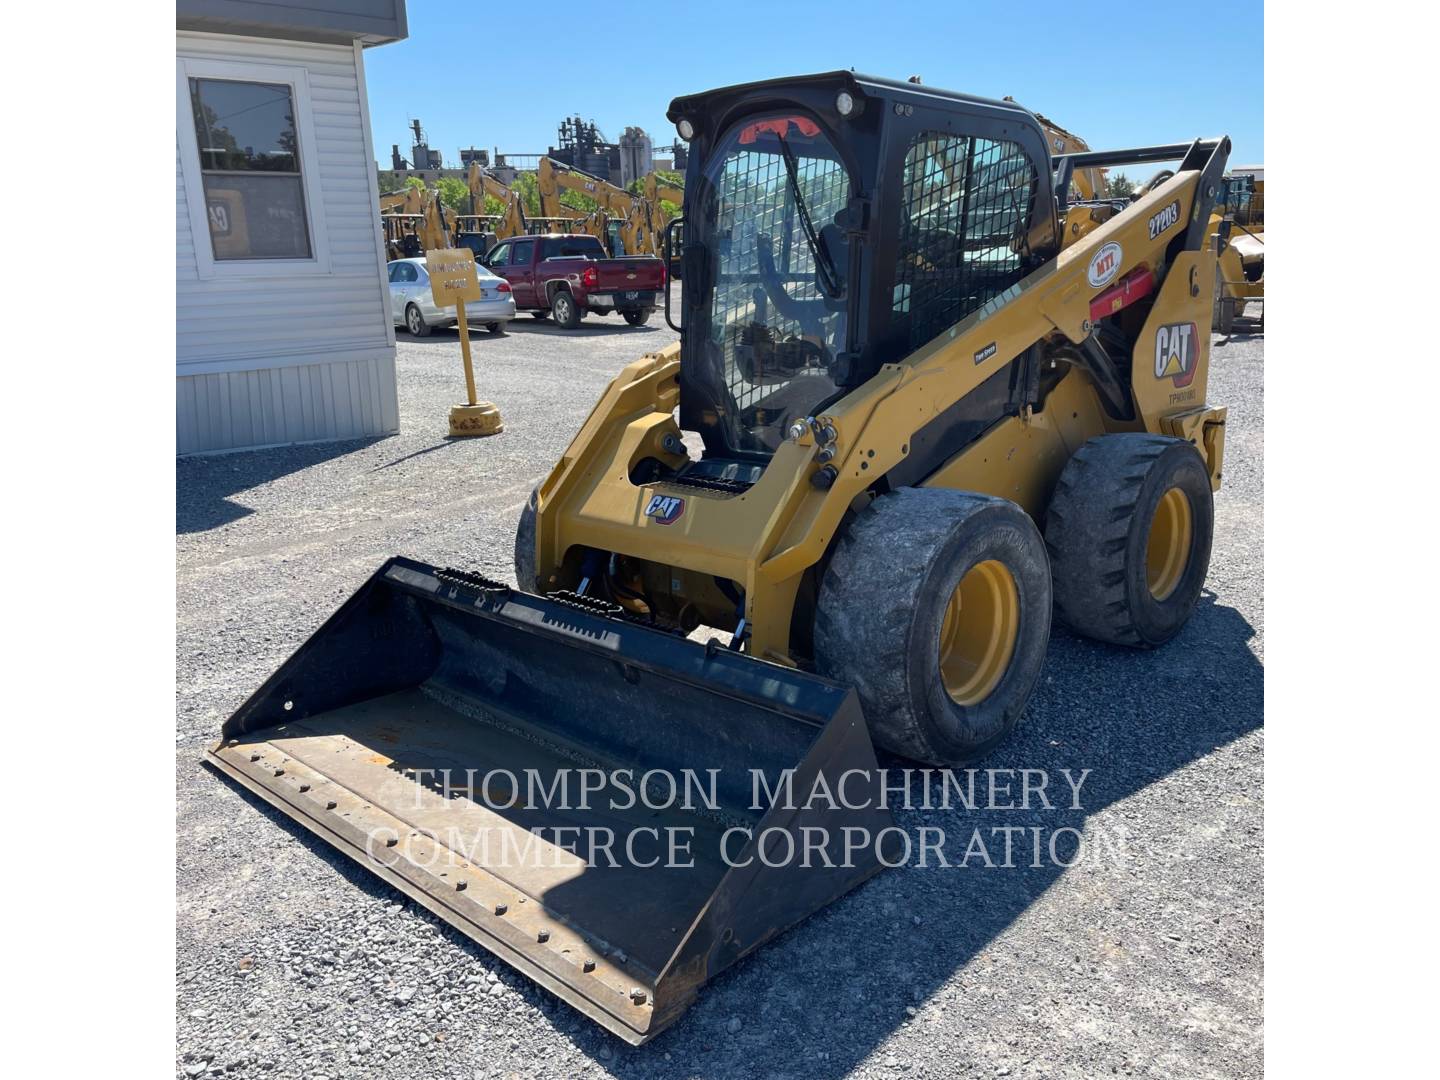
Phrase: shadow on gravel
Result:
[840,983]
[449,440]
[591,327]
[821,998]
[1218,342]
[448,335]
[203,485]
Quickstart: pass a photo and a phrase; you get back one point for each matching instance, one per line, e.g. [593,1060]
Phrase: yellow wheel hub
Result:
[1168,550]
[977,638]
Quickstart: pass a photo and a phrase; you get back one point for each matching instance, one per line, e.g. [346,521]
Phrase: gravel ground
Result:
[1144,958]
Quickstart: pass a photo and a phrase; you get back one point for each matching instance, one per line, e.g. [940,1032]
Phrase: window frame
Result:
[885,343]
[922,334]
[297,79]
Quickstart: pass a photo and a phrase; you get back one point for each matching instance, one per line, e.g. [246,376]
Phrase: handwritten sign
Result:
[452,275]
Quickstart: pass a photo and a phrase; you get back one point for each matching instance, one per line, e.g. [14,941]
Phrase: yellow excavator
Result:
[658,190]
[629,220]
[512,220]
[924,418]
[1088,183]
[415,221]
[400,216]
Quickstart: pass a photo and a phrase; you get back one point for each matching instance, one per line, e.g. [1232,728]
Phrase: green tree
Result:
[576,200]
[527,186]
[454,193]
[1120,186]
[666,176]
[414,182]
[493,207]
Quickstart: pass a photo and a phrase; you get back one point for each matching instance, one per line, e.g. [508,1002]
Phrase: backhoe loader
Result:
[415,221]
[929,419]
[401,213]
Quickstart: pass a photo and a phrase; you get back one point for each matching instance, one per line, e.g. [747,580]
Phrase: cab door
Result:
[498,263]
[403,279]
[521,273]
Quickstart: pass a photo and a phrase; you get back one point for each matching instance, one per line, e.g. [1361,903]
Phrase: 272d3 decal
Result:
[1163,219]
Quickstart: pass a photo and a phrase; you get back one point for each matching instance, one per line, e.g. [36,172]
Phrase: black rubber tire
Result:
[540,316]
[881,605]
[565,310]
[1097,528]
[525,575]
[636,318]
[415,322]
[496,328]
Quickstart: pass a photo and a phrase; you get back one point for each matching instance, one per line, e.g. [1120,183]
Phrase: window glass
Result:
[965,209]
[394,267]
[520,253]
[250,169]
[774,319]
[587,247]
[407,273]
[500,256]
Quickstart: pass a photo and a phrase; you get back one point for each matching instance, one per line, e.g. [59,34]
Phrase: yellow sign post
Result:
[452,282]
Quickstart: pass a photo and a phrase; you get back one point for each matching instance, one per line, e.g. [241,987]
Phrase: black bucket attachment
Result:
[616,812]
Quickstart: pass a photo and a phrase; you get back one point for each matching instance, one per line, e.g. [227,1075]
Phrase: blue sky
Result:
[1121,76]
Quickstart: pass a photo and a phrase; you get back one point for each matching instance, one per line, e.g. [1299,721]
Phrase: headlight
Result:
[844,103]
[686,129]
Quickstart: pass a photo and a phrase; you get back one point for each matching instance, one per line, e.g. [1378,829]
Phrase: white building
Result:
[282,325]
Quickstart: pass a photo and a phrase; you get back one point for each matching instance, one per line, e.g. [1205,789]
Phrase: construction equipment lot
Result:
[292,961]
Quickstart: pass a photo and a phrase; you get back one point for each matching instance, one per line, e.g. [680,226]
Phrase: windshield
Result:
[587,247]
[774,317]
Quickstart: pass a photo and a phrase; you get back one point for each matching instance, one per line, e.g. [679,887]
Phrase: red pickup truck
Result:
[566,275]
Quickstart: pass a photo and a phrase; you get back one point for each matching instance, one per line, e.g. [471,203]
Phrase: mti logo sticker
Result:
[1105,264]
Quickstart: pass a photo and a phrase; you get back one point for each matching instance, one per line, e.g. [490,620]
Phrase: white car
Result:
[413,307]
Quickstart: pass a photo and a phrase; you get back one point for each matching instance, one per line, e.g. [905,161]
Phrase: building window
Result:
[965,210]
[250,169]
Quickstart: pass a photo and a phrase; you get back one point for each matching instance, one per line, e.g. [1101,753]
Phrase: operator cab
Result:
[835,223]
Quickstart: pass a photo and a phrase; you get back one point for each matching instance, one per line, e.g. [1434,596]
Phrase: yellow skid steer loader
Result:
[937,402]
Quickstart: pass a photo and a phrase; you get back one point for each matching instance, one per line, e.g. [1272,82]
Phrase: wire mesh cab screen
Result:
[965,207]
[775,318]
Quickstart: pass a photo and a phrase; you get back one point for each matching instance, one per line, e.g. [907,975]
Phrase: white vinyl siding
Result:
[283,354]
[301,403]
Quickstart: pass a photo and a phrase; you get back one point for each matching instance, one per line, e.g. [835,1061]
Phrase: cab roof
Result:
[864,85]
